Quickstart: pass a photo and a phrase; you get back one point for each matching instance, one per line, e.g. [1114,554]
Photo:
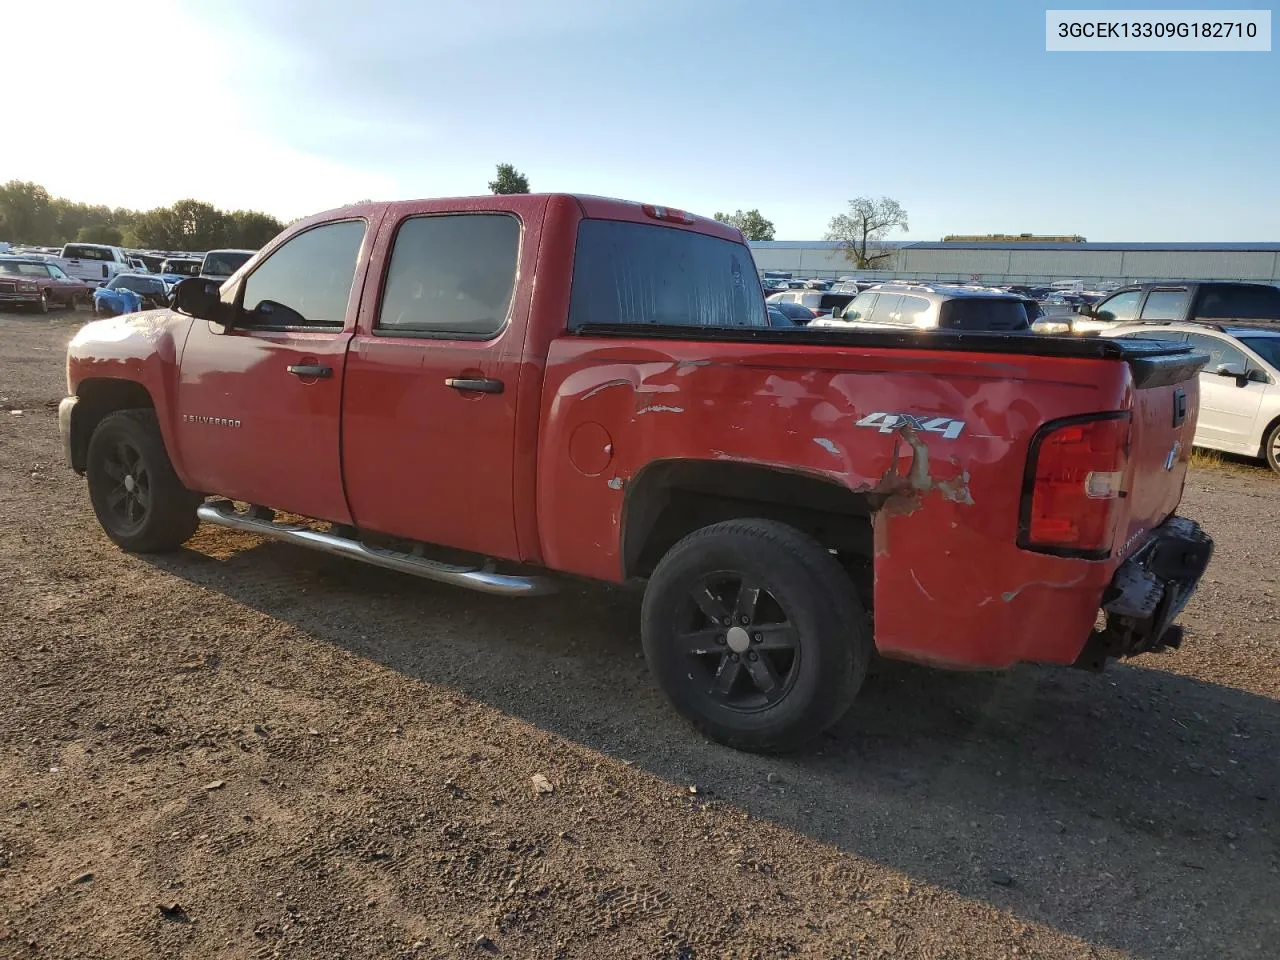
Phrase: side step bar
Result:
[484,579]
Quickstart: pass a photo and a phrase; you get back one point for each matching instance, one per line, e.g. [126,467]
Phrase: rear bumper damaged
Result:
[1147,592]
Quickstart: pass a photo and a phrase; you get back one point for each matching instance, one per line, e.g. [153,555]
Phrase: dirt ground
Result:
[250,750]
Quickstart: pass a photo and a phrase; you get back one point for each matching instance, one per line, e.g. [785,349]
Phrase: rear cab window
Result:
[76,252]
[644,274]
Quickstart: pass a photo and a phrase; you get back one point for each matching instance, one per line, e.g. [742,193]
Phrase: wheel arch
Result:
[669,499]
[1266,432]
[98,397]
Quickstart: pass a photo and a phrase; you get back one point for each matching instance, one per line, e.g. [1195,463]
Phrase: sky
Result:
[955,110]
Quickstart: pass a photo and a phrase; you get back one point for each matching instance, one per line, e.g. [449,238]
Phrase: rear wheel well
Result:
[669,499]
[98,398]
[1266,432]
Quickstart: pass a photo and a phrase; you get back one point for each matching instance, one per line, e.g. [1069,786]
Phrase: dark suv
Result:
[1172,301]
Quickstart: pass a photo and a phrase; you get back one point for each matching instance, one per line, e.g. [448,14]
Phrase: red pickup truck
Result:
[479,391]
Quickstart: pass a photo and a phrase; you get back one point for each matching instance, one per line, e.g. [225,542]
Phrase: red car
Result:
[29,282]
[591,386]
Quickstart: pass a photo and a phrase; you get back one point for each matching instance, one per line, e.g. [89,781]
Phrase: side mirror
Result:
[1087,310]
[837,313]
[197,297]
[270,313]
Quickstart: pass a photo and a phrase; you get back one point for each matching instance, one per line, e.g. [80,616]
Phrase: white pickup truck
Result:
[95,263]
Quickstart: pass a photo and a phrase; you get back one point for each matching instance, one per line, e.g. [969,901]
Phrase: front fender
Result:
[142,348]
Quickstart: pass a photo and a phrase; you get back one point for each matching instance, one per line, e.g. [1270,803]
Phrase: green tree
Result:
[249,229]
[751,223]
[100,233]
[509,180]
[27,214]
[862,230]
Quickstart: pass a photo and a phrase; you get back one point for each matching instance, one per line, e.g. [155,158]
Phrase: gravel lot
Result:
[249,750]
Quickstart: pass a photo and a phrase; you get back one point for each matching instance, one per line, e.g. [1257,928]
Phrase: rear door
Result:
[429,412]
[259,403]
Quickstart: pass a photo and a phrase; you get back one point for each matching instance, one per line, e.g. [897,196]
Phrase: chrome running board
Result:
[484,579]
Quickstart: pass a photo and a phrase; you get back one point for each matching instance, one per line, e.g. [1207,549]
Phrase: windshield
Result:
[637,273]
[223,263]
[1268,348]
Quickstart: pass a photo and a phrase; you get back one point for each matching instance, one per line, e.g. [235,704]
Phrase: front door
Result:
[1228,407]
[429,415]
[259,403]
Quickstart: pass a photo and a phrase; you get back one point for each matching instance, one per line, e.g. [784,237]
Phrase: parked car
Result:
[220,264]
[816,300]
[983,495]
[779,319]
[130,292]
[181,266]
[1239,387]
[936,307]
[94,263]
[798,314]
[38,284]
[1174,301]
[817,283]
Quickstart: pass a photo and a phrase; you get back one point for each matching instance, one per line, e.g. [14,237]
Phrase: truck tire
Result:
[139,500]
[755,633]
[1271,448]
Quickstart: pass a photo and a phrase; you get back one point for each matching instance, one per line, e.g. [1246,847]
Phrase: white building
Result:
[1030,262]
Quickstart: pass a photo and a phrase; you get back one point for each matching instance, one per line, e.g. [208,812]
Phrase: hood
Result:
[128,334]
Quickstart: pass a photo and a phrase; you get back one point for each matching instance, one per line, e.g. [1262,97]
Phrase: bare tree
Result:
[862,230]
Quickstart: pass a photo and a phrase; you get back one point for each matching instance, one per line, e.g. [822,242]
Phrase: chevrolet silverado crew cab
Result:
[480,391]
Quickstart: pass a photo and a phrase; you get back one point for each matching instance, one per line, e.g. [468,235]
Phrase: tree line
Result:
[861,231]
[28,214]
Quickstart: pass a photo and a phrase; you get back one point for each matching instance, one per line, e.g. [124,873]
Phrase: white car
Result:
[1239,387]
[820,302]
[94,263]
[220,264]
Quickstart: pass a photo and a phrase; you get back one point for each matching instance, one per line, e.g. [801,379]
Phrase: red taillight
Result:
[667,213]
[1073,485]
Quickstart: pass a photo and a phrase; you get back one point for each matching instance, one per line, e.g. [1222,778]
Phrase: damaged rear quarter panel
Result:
[946,509]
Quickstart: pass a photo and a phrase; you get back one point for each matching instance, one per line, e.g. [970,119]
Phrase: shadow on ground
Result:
[1135,808]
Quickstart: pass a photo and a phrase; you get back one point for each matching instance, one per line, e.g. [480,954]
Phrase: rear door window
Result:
[452,276]
[912,309]
[644,274]
[1165,304]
